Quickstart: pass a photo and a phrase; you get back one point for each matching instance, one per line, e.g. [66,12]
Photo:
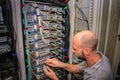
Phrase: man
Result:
[84,46]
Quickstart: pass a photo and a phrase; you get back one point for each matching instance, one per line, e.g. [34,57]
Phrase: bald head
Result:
[87,39]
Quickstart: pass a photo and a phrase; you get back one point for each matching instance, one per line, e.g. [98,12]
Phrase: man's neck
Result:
[93,59]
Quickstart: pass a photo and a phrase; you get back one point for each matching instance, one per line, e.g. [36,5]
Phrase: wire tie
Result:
[39,26]
[36,7]
[26,28]
[22,5]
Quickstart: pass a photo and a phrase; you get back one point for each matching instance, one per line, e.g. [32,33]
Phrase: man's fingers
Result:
[50,60]
[48,68]
[50,64]
[45,69]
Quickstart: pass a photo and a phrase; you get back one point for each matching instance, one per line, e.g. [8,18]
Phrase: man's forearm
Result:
[70,67]
[55,78]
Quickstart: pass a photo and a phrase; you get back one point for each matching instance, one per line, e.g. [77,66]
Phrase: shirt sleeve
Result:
[82,65]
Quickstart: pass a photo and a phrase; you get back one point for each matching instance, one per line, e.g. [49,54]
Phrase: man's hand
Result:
[54,62]
[50,73]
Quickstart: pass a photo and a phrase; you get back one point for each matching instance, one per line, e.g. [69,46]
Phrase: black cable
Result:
[84,18]
[85,21]
[67,26]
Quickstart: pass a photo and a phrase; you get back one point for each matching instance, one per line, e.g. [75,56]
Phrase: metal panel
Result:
[112,30]
[116,60]
[72,18]
[18,28]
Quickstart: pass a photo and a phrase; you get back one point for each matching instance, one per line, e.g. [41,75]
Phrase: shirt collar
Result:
[93,68]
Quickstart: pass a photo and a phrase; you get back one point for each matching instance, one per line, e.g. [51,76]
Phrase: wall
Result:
[112,30]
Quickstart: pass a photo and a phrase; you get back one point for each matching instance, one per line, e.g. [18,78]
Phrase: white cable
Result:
[43,21]
[35,5]
[40,21]
[42,35]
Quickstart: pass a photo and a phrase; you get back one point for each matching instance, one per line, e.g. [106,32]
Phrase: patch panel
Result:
[4,39]
[32,37]
[44,54]
[2,26]
[36,70]
[52,18]
[43,25]
[46,27]
[4,48]
[44,7]
[56,10]
[45,17]
[31,13]
[30,18]
[3,30]
[32,22]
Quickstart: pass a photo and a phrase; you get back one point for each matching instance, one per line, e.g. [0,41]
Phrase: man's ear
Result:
[87,51]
